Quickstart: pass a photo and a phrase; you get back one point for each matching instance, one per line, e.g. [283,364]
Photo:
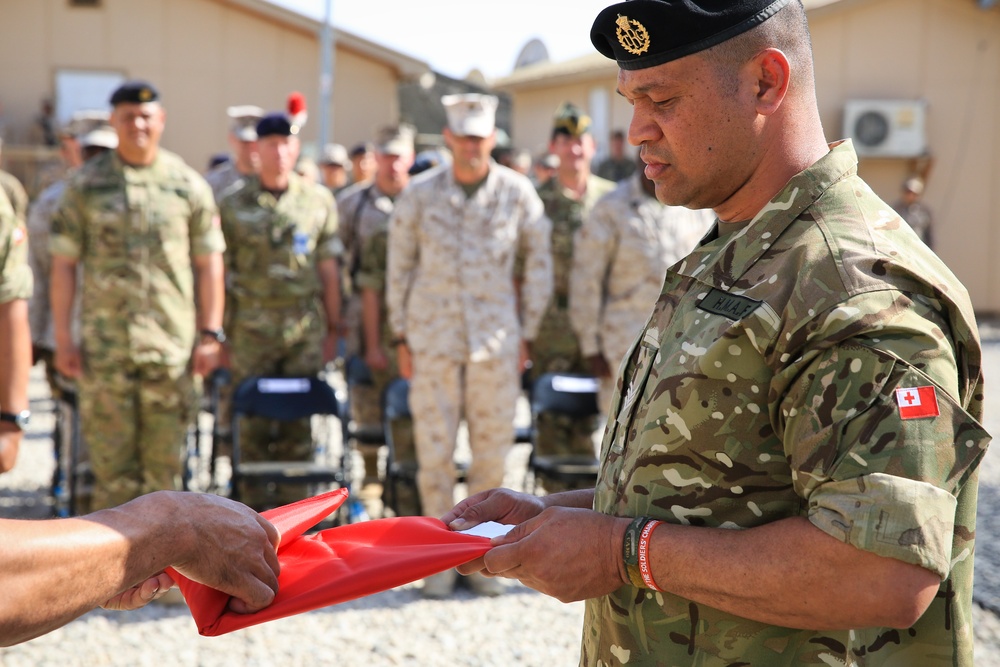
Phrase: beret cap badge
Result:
[632,35]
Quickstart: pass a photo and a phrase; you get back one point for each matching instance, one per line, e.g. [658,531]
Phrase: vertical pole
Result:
[327,60]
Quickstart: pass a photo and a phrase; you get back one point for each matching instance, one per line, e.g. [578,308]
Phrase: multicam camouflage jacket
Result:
[274,247]
[15,276]
[819,362]
[136,230]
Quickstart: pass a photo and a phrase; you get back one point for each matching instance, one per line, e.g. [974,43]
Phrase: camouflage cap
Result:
[243,121]
[646,33]
[570,119]
[396,140]
[134,92]
[471,114]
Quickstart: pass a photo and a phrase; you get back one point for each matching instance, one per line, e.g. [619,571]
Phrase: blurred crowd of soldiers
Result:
[469,271]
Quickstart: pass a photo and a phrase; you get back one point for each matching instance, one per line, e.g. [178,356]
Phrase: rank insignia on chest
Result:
[917,402]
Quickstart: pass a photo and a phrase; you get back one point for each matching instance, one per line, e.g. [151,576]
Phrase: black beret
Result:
[645,33]
[134,92]
[274,124]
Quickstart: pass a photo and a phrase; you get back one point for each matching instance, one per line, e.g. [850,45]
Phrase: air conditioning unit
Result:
[887,128]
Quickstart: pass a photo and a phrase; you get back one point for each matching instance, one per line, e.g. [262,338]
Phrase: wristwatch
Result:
[218,334]
[20,419]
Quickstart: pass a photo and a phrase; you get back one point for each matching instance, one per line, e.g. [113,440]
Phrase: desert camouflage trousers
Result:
[442,390]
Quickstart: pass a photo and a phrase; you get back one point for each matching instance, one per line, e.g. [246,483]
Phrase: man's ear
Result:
[773,72]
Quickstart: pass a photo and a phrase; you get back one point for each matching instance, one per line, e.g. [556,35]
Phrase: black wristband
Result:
[218,334]
[398,340]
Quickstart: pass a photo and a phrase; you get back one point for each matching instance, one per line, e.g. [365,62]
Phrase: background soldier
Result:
[333,167]
[568,198]
[17,196]
[362,163]
[620,256]
[144,227]
[242,139]
[364,215]
[284,289]
[453,239]
[617,166]
[91,136]
[15,338]
[912,208]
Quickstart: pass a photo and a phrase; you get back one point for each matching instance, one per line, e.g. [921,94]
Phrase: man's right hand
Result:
[67,361]
[599,366]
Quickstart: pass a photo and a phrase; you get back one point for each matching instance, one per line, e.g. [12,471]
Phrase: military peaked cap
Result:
[645,33]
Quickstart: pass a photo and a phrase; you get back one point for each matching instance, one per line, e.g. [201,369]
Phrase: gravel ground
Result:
[396,627]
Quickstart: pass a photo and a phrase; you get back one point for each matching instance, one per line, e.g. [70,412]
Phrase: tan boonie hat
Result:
[396,140]
[243,121]
[334,154]
[471,114]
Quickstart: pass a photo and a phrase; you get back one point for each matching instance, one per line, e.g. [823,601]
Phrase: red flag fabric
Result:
[917,402]
[337,564]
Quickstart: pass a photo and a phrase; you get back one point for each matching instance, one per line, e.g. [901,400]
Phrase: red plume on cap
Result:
[297,110]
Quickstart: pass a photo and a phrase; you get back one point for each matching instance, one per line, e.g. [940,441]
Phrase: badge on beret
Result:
[632,35]
[917,402]
[145,95]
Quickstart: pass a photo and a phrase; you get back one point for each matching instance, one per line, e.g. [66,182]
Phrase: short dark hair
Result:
[787,30]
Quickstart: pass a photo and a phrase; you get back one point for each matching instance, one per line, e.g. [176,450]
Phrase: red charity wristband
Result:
[644,568]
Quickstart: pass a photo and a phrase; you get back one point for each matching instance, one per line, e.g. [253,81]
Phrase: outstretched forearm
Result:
[55,571]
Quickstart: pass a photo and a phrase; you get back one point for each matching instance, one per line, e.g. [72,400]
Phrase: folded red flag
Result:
[337,564]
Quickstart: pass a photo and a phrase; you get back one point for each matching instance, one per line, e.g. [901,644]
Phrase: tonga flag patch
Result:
[917,402]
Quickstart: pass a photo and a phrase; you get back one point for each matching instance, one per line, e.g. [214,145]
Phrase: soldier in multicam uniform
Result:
[15,192]
[364,210]
[242,139]
[333,168]
[284,288]
[452,301]
[144,226]
[568,198]
[619,257]
[15,337]
[802,409]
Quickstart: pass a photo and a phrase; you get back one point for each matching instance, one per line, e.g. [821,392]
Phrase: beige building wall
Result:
[202,55]
[946,52]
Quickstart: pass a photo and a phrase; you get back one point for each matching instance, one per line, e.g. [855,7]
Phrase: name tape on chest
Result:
[917,402]
[730,306]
